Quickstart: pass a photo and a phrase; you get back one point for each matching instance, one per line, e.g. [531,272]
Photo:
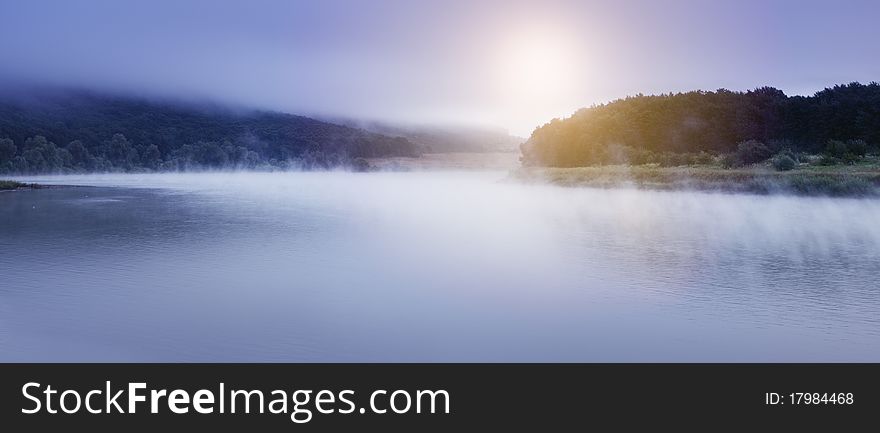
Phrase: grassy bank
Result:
[854,181]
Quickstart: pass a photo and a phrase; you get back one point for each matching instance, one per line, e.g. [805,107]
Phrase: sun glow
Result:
[538,66]
[539,75]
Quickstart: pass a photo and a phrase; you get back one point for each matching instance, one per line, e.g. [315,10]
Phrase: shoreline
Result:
[12,185]
[838,182]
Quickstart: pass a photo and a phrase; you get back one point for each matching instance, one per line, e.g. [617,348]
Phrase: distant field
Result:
[450,161]
[844,180]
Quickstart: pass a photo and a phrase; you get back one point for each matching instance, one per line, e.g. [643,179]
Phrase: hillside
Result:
[81,131]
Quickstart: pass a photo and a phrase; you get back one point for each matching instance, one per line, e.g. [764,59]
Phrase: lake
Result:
[429,266]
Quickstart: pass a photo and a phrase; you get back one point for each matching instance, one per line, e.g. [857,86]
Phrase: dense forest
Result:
[85,132]
[842,123]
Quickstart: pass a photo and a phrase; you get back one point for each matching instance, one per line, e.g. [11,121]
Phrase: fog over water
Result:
[430,266]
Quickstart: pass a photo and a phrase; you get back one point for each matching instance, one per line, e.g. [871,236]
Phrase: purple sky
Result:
[513,64]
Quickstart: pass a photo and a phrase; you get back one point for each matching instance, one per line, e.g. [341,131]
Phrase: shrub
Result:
[679,159]
[673,159]
[835,148]
[858,148]
[642,156]
[702,158]
[783,162]
[850,150]
[827,160]
[751,152]
[851,158]
[787,152]
[780,145]
[728,160]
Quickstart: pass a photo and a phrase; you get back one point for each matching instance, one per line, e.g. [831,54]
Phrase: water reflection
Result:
[428,266]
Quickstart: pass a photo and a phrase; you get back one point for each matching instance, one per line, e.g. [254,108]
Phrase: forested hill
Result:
[642,129]
[79,132]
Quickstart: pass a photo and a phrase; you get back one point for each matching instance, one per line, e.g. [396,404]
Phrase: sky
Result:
[510,64]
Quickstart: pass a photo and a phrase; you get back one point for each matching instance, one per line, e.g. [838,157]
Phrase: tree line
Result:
[842,122]
[81,132]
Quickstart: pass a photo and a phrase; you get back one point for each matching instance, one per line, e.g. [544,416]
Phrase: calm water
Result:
[424,266]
